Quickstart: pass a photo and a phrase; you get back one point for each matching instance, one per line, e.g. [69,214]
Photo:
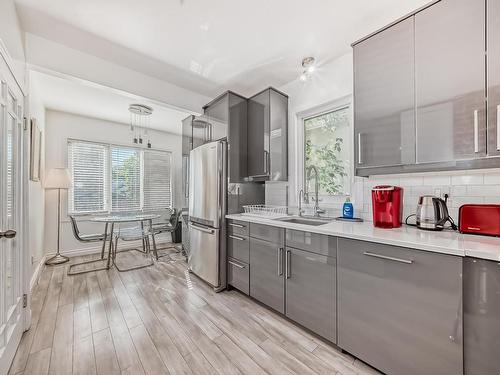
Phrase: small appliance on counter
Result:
[387,202]
[432,213]
[479,219]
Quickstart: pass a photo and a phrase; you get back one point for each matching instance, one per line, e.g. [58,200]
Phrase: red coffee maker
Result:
[387,204]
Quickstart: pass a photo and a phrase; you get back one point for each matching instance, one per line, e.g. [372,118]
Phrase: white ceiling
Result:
[211,46]
[86,99]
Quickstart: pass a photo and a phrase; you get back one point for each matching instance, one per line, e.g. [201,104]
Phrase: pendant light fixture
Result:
[140,121]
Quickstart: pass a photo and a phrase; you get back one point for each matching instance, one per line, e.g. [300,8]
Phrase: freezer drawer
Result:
[203,259]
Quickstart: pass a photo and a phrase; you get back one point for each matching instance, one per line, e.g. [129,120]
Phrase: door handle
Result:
[386,257]
[8,234]
[359,149]
[236,238]
[498,127]
[288,265]
[201,229]
[476,131]
[266,162]
[279,255]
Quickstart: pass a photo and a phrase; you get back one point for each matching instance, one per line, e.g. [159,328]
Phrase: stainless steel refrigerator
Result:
[207,209]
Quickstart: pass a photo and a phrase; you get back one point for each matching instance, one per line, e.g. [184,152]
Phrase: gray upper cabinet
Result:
[384,97]
[227,115]
[450,81]
[267,282]
[311,291]
[493,37]
[267,136]
[400,310]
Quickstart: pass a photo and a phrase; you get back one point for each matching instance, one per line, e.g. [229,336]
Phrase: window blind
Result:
[125,179]
[157,184]
[87,163]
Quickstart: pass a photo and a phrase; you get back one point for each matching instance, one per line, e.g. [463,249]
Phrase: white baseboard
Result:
[36,275]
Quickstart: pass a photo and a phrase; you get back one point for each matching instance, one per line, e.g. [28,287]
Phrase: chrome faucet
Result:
[317,210]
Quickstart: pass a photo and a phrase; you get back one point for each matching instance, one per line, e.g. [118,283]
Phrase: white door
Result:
[11,290]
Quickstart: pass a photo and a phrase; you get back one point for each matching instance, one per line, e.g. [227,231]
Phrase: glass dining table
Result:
[110,222]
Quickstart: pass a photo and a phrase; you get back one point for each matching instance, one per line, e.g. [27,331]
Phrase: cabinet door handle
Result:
[476,131]
[236,264]
[236,238]
[266,162]
[498,127]
[360,161]
[288,264]
[236,225]
[386,257]
[279,259]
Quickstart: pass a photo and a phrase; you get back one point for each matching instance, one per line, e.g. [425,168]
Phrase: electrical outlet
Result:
[437,192]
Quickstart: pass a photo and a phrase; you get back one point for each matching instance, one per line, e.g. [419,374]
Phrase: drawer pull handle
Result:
[236,225]
[405,261]
[236,238]
[236,264]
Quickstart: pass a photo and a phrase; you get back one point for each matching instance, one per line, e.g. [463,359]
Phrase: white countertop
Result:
[445,242]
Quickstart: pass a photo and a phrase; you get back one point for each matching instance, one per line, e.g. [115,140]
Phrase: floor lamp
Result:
[58,178]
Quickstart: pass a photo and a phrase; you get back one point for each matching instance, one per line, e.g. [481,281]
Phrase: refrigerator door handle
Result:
[202,229]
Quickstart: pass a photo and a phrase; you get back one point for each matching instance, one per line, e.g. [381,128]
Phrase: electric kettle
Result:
[432,213]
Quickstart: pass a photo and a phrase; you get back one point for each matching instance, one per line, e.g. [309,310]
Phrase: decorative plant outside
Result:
[325,151]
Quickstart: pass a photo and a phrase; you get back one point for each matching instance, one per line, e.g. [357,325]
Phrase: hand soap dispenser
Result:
[348,209]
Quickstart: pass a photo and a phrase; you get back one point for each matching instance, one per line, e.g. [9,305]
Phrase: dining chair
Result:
[88,238]
[168,227]
[138,233]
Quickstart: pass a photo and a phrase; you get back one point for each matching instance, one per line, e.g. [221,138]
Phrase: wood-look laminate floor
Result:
[163,320]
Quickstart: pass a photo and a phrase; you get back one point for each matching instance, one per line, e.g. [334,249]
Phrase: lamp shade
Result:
[58,178]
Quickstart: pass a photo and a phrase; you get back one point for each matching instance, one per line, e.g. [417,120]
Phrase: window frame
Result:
[108,177]
[302,116]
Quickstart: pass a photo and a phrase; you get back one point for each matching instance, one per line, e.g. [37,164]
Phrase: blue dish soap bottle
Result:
[348,209]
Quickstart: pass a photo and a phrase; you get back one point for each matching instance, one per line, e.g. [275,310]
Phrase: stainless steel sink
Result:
[302,220]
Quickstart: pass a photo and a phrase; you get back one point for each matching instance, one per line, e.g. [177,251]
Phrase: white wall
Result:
[333,81]
[59,127]
[35,188]
[55,57]
[13,37]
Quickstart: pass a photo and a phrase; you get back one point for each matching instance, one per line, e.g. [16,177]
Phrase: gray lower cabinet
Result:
[481,317]
[400,310]
[267,282]
[311,291]
[238,275]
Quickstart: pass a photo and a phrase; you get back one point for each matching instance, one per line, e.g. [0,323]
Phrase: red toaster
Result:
[479,219]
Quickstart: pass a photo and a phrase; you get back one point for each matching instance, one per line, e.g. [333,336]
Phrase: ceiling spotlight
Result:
[309,68]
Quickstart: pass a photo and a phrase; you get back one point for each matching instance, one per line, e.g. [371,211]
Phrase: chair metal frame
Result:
[87,239]
[169,227]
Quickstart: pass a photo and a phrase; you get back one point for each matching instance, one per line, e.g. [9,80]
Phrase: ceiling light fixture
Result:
[140,121]
[309,68]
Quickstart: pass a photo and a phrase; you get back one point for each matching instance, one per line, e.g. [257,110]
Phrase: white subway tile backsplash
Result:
[492,179]
[437,180]
[458,190]
[483,190]
[411,181]
[456,202]
[422,190]
[473,179]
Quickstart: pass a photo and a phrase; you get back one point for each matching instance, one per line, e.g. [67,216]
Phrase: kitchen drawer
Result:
[267,233]
[400,310]
[237,227]
[238,275]
[313,242]
[238,247]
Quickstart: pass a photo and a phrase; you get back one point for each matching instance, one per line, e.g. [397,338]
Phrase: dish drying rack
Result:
[263,210]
